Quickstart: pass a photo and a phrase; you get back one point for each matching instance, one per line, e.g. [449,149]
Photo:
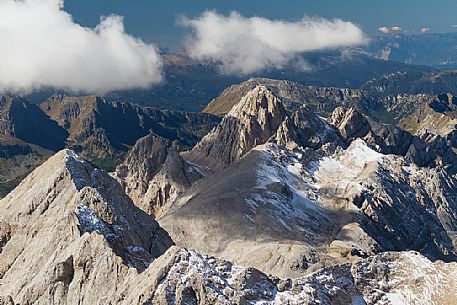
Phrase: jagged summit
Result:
[65,219]
[292,94]
[250,122]
[390,139]
[142,163]
[154,173]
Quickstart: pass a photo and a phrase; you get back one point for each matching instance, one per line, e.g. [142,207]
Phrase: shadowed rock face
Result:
[304,129]
[142,163]
[153,174]
[17,118]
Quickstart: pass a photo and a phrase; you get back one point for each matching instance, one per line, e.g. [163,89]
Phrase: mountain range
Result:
[278,193]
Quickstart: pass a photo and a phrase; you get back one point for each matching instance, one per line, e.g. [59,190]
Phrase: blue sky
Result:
[154,20]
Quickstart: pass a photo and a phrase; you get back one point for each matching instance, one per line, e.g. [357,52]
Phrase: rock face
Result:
[396,203]
[421,149]
[249,123]
[383,279]
[304,129]
[154,174]
[142,163]
[75,232]
[174,178]
[435,121]
[17,115]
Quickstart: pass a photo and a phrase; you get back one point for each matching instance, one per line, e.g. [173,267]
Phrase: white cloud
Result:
[42,46]
[245,45]
[384,29]
[396,28]
[425,30]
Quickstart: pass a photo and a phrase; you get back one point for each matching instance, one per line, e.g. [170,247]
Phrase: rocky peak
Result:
[306,129]
[349,122]
[423,149]
[75,229]
[251,122]
[437,116]
[174,178]
[384,138]
[142,163]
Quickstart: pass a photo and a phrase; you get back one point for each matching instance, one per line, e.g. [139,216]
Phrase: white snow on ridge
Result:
[72,155]
[283,187]
[342,170]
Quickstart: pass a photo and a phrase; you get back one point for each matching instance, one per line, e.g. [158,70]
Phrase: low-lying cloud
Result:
[384,29]
[246,45]
[42,46]
[425,30]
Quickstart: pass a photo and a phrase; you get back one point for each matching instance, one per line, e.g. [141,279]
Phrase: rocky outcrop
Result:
[435,122]
[422,149]
[142,163]
[174,178]
[305,129]
[437,116]
[154,174]
[251,122]
[383,279]
[399,205]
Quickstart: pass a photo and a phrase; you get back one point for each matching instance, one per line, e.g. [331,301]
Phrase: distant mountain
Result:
[429,49]
[323,100]
[104,131]
[100,131]
[412,83]
[17,159]
[189,85]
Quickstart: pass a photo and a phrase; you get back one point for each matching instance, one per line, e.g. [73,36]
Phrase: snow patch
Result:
[89,220]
